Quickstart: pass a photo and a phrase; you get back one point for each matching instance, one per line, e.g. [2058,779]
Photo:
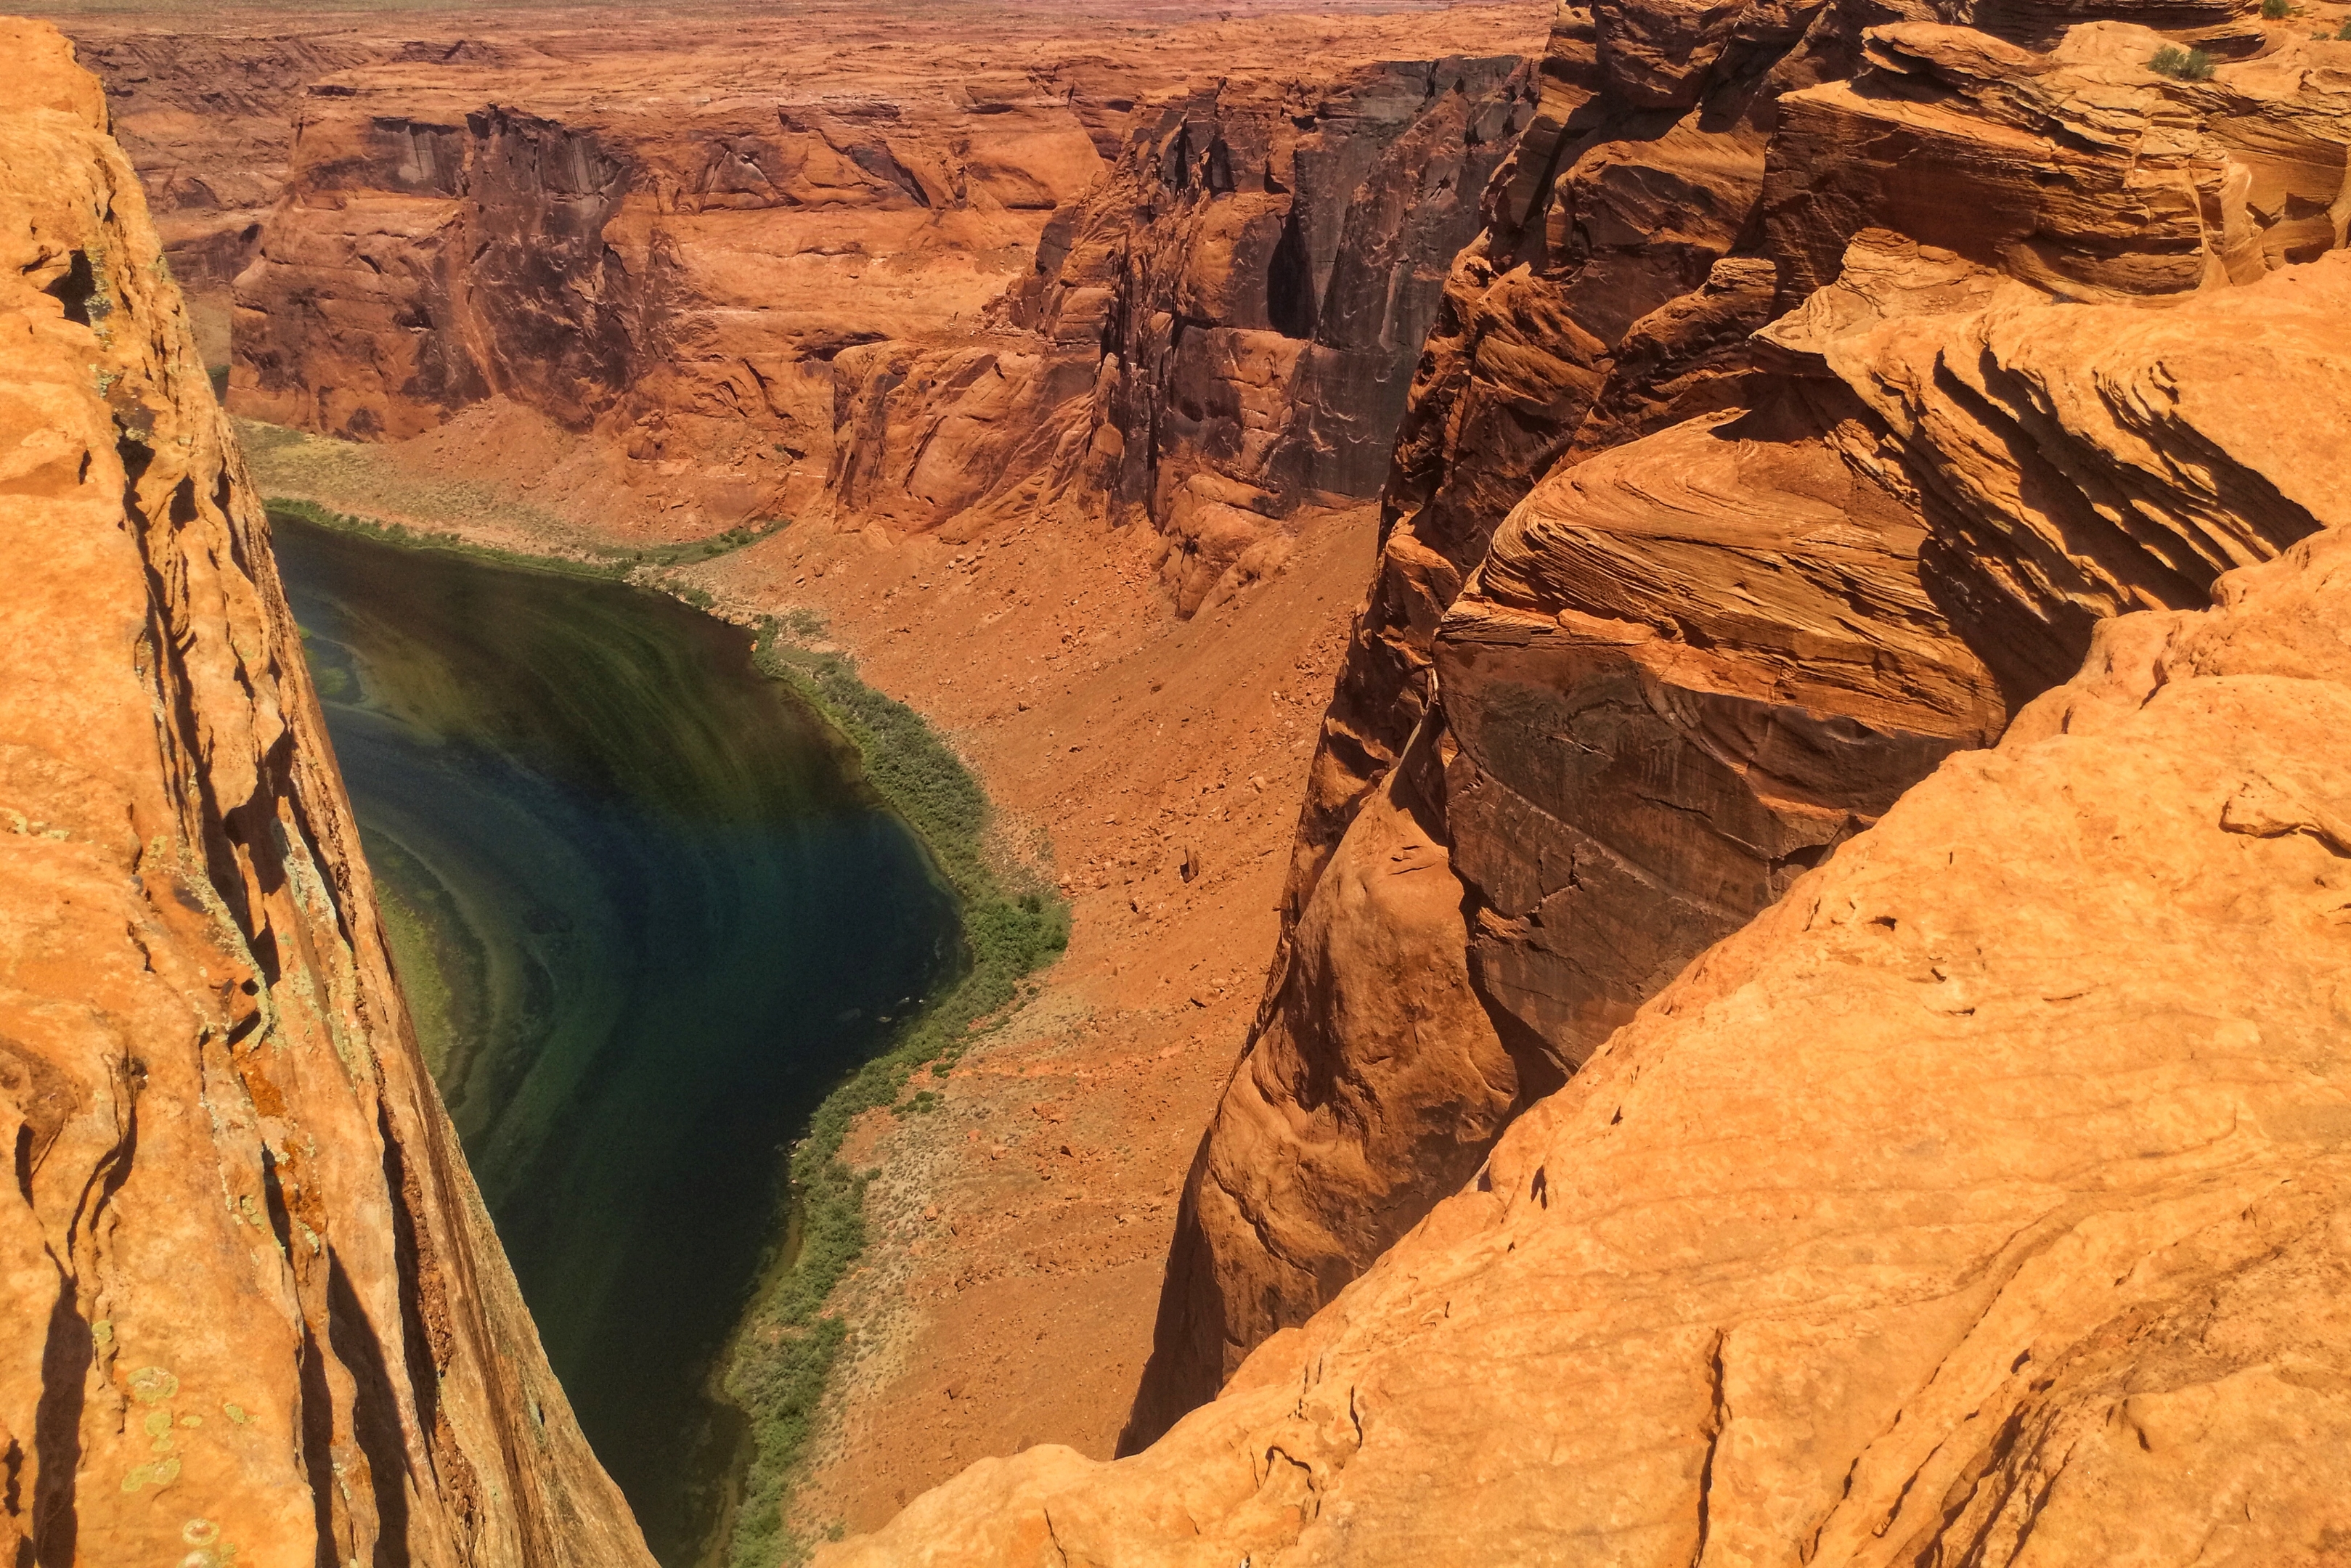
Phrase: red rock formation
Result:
[260,1312]
[207,119]
[1257,276]
[1680,608]
[1984,1201]
[769,283]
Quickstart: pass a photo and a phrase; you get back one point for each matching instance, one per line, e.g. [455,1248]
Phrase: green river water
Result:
[645,916]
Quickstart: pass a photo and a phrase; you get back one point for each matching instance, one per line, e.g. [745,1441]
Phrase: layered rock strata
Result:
[1253,283]
[260,1313]
[207,120]
[1985,1200]
[889,300]
[1804,406]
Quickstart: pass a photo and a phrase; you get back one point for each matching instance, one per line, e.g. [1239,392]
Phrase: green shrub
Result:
[454,544]
[2276,10]
[2343,34]
[784,1351]
[2182,64]
[611,564]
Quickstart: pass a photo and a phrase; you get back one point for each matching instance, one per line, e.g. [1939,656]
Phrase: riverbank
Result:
[1011,922]
[1015,1237]
[1014,922]
[658,875]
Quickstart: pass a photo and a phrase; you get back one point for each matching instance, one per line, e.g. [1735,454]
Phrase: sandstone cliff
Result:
[207,119]
[1822,379]
[903,284]
[1225,327]
[261,1316]
[1984,1201]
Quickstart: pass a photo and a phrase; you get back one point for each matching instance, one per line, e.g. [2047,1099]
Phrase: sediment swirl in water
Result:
[644,917]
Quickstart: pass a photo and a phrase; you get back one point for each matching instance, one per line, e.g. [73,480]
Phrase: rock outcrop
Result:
[207,119]
[1224,329]
[261,1315]
[1061,276]
[1986,1200]
[1814,392]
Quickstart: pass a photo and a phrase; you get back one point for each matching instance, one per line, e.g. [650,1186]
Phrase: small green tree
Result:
[2182,64]
[2276,10]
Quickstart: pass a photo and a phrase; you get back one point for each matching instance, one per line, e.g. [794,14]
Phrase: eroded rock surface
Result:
[258,1311]
[904,279]
[1822,379]
[207,119]
[1986,1200]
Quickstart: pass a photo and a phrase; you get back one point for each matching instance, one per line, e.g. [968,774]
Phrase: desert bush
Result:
[2182,64]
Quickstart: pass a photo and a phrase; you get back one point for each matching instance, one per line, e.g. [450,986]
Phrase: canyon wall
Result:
[1987,1200]
[1065,282]
[1822,379]
[1224,329]
[261,1315]
[208,122]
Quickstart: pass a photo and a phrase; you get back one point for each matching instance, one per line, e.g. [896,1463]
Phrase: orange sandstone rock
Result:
[1989,1200]
[258,1314]
[913,279]
[1761,457]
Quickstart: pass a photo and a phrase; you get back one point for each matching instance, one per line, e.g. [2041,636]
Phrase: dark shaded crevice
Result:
[1290,282]
[68,1350]
[416,1337]
[1540,1069]
[2027,655]
[1718,1415]
[1186,1336]
[878,162]
[77,290]
[317,1446]
[66,1357]
[317,1413]
[375,1413]
[12,1496]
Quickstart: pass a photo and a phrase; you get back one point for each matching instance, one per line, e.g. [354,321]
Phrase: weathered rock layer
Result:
[261,1316]
[822,282]
[1984,1201]
[1815,390]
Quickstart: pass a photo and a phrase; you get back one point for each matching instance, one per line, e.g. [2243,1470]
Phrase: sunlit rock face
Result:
[257,1312]
[1987,1198]
[1182,274]
[1822,379]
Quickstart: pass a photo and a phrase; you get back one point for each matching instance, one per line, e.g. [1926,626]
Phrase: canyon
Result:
[1741,598]
[1718,521]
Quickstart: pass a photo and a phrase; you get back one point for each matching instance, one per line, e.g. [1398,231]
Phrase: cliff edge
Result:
[1825,376]
[1986,1200]
[260,1312]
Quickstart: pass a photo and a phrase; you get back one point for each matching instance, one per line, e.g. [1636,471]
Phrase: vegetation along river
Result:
[645,916]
